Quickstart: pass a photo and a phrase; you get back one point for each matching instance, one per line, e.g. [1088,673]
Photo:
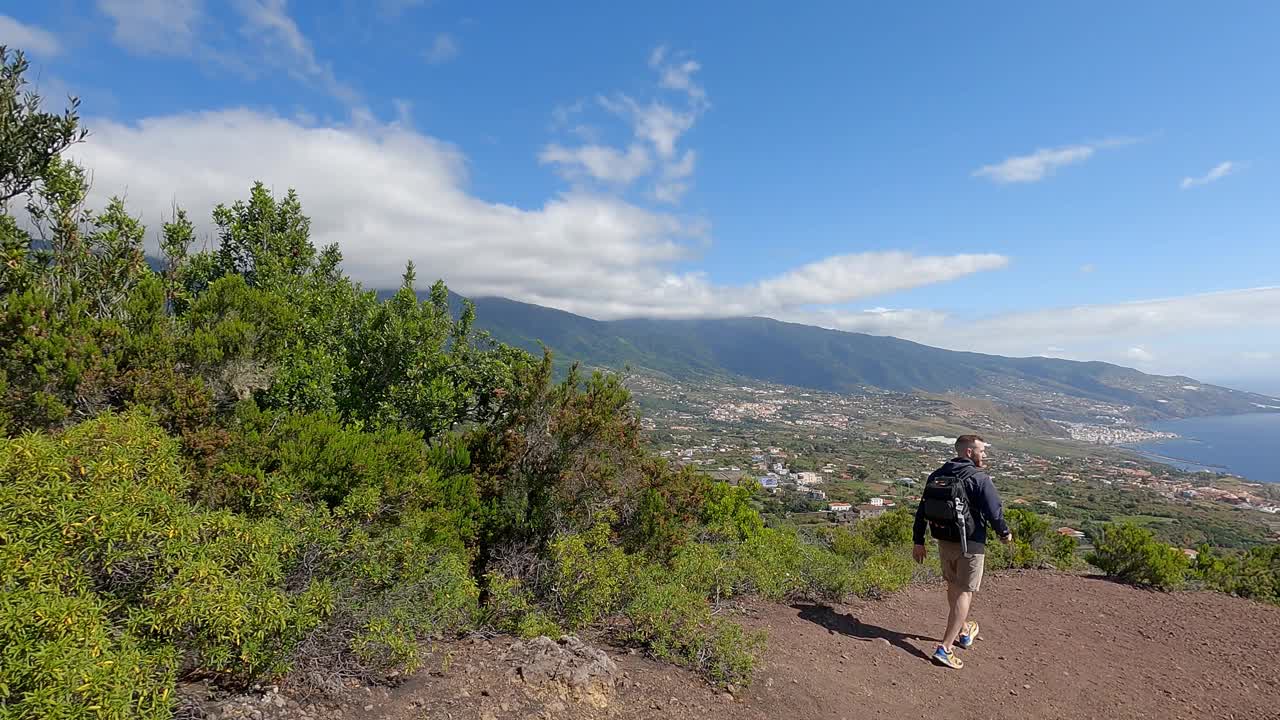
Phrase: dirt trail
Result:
[1053,646]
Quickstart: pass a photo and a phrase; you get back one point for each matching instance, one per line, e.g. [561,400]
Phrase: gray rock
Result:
[568,661]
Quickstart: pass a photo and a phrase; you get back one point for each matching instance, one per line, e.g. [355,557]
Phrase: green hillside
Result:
[806,356]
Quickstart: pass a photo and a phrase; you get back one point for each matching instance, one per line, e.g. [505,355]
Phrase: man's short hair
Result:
[965,442]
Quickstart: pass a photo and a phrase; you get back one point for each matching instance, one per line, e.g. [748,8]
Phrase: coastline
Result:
[1183,464]
[1229,445]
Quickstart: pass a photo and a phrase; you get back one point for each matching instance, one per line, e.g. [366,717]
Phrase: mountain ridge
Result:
[795,354]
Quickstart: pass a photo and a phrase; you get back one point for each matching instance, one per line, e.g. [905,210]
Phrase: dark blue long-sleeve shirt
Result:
[984,503]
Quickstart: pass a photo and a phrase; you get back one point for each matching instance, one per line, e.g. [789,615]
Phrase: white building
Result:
[808,478]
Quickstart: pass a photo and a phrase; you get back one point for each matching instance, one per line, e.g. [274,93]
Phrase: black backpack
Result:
[945,504]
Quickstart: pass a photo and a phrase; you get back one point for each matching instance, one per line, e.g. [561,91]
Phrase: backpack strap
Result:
[964,474]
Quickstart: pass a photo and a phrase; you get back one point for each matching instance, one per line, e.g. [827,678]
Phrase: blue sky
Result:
[1080,180]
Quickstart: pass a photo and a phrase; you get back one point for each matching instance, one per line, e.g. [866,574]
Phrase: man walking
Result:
[958,503]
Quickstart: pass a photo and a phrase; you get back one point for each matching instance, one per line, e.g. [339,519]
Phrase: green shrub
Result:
[430,596]
[891,529]
[1254,573]
[669,507]
[511,609]
[1131,553]
[588,576]
[95,533]
[773,563]
[61,652]
[888,571]
[727,513]
[675,624]
[1035,545]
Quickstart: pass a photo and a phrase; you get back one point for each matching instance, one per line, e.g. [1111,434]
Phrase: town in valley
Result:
[835,457]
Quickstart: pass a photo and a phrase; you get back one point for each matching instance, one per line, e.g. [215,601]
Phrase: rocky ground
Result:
[1053,646]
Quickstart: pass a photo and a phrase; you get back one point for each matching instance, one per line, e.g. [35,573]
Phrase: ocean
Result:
[1243,445]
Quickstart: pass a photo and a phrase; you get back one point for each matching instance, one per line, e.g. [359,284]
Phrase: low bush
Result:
[772,563]
[1253,574]
[587,577]
[130,583]
[511,609]
[1035,545]
[885,572]
[675,624]
[133,584]
[1131,553]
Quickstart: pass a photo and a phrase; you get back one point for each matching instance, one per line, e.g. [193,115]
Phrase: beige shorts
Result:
[960,571]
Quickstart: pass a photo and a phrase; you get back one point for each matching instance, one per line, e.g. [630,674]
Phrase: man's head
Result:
[973,448]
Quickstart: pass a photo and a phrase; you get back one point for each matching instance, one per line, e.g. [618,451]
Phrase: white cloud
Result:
[670,192]
[1139,354]
[1237,308]
[1044,161]
[162,27]
[1177,334]
[834,279]
[1088,268]
[182,28]
[677,74]
[672,185]
[1218,172]
[903,323]
[1036,166]
[681,168]
[28,38]
[655,123]
[443,49]
[386,194]
[599,162]
[267,22]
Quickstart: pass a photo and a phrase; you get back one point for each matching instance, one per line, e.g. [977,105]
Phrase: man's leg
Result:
[958,601]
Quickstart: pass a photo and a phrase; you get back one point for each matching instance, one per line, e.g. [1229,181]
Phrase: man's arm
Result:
[917,530]
[989,503]
[918,551]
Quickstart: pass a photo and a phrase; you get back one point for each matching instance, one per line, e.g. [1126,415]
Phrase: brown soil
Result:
[1052,646]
